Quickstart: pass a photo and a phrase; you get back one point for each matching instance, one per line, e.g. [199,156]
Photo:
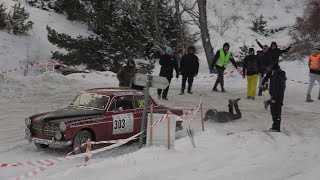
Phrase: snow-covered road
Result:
[235,150]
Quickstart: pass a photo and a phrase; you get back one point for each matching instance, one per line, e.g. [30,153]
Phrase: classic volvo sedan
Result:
[97,114]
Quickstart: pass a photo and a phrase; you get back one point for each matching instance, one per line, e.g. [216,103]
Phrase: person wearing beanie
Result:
[222,58]
[264,62]
[189,68]
[168,63]
[314,75]
[126,74]
[276,91]
[251,70]
[274,53]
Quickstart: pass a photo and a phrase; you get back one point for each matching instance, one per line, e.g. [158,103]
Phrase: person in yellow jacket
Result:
[314,65]
[222,58]
[251,70]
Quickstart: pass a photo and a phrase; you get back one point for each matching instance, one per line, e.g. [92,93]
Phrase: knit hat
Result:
[226,45]
[168,49]
[276,67]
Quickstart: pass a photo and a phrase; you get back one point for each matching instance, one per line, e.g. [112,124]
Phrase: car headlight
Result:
[62,126]
[28,122]
[27,131]
[58,136]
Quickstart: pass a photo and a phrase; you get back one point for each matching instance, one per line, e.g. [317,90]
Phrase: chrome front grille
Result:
[50,130]
[39,130]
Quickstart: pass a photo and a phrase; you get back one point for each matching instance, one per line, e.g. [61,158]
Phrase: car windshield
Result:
[91,100]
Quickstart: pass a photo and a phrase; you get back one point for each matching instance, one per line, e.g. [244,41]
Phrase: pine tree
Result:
[73,9]
[259,25]
[3,16]
[17,21]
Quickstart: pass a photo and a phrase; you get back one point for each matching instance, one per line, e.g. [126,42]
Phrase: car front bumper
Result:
[48,142]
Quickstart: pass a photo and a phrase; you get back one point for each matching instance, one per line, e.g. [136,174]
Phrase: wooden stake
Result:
[169,132]
[202,120]
[151,123]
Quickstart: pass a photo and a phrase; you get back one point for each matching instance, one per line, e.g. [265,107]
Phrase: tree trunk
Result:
[155,19]
[205,36]
[182,35]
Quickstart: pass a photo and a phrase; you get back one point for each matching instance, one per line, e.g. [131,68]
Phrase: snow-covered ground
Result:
[234,150]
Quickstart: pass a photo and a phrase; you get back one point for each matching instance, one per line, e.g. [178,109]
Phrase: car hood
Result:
[63,115]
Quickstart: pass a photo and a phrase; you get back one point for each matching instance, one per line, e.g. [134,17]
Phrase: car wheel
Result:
[41,146]
[81,137]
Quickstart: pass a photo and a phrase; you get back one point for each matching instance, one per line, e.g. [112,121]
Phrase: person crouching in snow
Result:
[220,62]
[223,117]
[250,68]
[314,65]
[126,74]
[276,91]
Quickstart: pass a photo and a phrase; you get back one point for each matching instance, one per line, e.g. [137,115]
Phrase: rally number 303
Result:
[119,124]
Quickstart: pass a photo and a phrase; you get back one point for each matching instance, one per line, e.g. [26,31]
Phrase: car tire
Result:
[41,146]
[81,137]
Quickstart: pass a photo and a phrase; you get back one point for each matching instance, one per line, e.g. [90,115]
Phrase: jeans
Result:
[276,109]
[220,79]
[238,113]
[261,76]
[185,78]
[313,78]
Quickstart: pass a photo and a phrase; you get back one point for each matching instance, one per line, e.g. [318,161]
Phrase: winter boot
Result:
[190,92]
[232,102]
[215,89]
[266,104]
[260,91]
[309,98]
[181,93]
[248,97]
[223,90]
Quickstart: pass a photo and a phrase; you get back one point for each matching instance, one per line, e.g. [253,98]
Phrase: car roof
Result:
[114,91]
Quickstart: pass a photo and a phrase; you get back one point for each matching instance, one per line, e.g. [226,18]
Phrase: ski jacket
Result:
[314,62]
[168,64]
[275,54]
[277,85]
[264,62]
[250,65]
[222,59]
[189,65]
[125,75]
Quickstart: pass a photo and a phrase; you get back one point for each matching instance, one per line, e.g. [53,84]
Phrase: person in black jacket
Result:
[168,62]
[220,62]
[274,53]
[264,62]
[276,91]
[250,68]
[189,68]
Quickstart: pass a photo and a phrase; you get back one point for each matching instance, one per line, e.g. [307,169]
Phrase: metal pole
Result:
[144,114]
[202,120]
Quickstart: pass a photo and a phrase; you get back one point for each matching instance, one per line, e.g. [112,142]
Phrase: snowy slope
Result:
[16,48]
[278,14]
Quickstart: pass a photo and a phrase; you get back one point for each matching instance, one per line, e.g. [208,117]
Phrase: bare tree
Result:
[181,26]
[200,19]
[224,22]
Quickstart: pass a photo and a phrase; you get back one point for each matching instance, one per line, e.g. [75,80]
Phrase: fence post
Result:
[88,149]
[202,120]
[169,132]
[151,123]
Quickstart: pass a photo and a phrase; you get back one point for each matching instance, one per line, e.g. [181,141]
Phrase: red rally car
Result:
[99,114]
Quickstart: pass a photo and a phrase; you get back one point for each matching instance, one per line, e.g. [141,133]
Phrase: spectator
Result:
[126,74]
[250,68]
[168,63]
[189,68]
[220,62]
[314,66]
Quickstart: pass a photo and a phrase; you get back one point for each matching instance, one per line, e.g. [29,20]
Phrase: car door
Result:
[139,103]
[120,118]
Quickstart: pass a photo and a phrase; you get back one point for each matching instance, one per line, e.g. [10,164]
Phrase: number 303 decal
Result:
[119,124]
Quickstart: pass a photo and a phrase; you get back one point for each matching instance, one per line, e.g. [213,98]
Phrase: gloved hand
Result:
[244,76]
[177,76]
[195,75]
